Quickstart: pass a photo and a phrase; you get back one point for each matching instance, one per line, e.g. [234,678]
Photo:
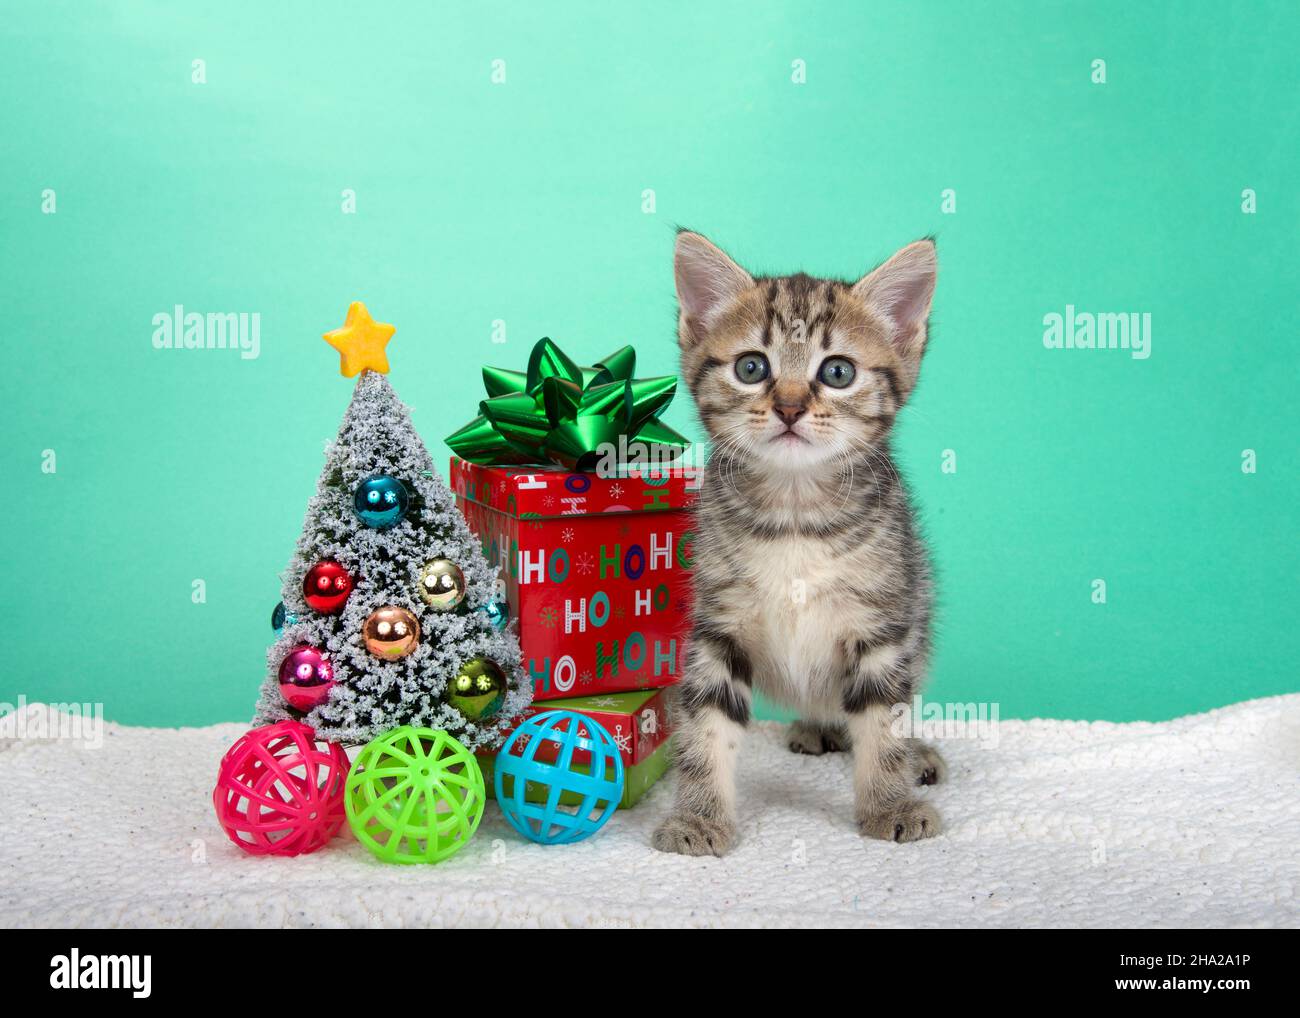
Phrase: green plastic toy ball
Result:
[415,795]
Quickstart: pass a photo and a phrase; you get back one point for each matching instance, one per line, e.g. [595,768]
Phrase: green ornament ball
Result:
[479,689]
[414,795]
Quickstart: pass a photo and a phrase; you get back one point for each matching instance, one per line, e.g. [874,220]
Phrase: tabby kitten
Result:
[811,584]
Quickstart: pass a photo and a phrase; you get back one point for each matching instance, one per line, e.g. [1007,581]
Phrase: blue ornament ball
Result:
[381,501]
[538,757]
[498,613]
[282,617]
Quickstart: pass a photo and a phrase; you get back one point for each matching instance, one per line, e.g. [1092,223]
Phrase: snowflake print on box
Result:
[374,694]
[594,568]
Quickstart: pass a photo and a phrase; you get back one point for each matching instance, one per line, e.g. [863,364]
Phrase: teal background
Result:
[523,202]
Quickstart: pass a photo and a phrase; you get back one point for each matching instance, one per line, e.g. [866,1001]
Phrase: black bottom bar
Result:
[351,967]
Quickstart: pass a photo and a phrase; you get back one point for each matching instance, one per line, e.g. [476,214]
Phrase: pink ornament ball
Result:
[306,677]
[280,790]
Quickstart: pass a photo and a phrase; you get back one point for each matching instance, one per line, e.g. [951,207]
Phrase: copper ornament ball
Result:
[391,632]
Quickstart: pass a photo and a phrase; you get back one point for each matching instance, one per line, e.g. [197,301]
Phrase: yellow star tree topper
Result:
[361,342]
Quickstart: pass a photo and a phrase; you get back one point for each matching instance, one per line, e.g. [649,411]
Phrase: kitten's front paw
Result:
[688,834]
[813,739]
[908,820]
[930,768]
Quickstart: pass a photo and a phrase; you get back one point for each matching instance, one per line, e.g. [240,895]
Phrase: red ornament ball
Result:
[280,790]
[326,587]
[306,677]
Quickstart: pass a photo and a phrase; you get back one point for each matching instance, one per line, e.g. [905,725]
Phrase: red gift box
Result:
[596,569]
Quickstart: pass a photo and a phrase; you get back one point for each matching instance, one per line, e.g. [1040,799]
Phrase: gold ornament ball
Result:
[478,690]
[391,632]
[442,584]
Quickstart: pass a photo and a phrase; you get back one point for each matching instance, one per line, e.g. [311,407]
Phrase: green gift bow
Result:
[563,413]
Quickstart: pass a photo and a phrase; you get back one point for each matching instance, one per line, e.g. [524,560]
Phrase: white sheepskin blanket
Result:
[1193,822]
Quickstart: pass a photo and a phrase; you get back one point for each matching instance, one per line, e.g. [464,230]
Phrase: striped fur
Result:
[812,584]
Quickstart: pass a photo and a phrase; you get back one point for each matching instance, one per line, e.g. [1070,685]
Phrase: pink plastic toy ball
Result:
[280,790]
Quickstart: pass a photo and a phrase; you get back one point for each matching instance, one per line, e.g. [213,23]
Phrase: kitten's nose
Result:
[789,412]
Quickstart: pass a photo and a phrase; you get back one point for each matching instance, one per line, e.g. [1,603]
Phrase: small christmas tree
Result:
[390,614]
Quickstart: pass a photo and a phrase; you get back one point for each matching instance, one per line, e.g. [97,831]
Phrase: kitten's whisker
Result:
[874,455]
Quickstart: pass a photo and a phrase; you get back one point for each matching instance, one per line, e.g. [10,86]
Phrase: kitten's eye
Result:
[752,368]
[837,372]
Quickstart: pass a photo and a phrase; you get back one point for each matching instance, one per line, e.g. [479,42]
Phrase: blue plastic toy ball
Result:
[537,761]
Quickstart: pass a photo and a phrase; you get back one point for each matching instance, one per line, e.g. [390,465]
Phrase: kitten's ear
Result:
[902,290]
[707,281]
